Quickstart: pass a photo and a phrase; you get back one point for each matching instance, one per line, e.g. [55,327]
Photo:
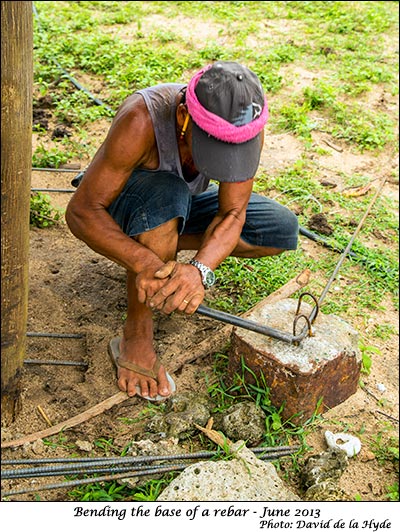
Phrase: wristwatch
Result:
[207,275]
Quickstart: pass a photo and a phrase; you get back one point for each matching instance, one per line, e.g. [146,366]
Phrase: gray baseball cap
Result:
[229,110]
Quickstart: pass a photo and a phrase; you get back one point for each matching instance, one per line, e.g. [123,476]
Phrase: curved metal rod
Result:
[314,311]
[296,319]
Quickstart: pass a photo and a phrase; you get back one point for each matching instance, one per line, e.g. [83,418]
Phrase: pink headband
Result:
[216,126]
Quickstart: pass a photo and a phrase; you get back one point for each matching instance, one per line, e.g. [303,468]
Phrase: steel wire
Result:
[55,362]
[70,190]
[69,170]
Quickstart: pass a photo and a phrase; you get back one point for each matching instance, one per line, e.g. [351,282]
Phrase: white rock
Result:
[351,444]
[243,478]
[84,445]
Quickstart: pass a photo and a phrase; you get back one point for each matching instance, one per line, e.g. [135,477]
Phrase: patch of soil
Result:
[319,223]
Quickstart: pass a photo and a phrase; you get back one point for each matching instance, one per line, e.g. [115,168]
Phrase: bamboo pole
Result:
[16,163]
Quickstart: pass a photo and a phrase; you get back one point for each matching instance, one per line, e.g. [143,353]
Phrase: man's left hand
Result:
[183,291]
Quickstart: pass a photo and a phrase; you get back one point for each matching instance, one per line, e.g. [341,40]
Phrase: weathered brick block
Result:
[324,367]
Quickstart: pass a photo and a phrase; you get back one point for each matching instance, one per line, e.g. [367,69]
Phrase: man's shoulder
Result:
[133,107]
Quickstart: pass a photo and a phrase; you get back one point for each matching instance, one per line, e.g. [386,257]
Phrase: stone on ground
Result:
[243,478]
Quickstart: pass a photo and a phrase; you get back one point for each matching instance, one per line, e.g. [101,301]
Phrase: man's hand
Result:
[183,289]
[148,284]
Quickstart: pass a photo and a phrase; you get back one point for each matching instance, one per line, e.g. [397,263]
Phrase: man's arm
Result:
[220,239]
[128,145]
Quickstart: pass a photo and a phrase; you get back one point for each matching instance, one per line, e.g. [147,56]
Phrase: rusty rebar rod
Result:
[54,335]
[125,472]
[61,190]
[29,361]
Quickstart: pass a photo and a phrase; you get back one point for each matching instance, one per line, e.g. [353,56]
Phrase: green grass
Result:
[346,45]
[42,213]
[113,491]
[247,386]
[78,37]
[365,279]
[385,447]
[393,492]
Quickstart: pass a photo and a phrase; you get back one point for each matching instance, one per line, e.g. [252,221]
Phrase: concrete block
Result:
[323,368]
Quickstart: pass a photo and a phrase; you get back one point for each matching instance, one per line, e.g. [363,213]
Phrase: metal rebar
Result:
[78,482]
[243,323]
[314,311]
[126,474]
[351,241]
[56,170]
[129,459]
[70,190]
[275,333]
[320,240]
[184,456]
[53,335]
[50,472]
[80,470]
[29,361]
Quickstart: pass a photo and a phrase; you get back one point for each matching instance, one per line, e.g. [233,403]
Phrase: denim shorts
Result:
[150,199]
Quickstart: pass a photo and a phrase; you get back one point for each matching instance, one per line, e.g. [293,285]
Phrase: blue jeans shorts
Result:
[150,199]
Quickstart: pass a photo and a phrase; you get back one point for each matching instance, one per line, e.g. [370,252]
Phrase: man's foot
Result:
[147,377]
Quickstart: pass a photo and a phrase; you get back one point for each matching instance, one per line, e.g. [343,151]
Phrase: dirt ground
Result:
[74,290]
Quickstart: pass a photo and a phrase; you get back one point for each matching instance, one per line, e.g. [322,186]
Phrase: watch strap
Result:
[205,272]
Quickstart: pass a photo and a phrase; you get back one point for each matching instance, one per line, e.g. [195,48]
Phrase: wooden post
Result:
[16,164]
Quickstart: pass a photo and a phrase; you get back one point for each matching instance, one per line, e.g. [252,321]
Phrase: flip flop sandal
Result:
[114,352]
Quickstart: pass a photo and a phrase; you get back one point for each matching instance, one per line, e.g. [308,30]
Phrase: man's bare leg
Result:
[137,342]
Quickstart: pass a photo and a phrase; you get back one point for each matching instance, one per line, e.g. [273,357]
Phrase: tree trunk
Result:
[16,163]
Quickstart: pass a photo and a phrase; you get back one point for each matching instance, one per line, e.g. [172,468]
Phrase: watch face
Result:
[210,278]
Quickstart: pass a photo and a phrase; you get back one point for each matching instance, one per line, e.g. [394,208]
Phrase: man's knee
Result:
[290,224]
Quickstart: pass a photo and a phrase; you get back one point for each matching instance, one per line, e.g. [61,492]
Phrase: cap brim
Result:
[223,161]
